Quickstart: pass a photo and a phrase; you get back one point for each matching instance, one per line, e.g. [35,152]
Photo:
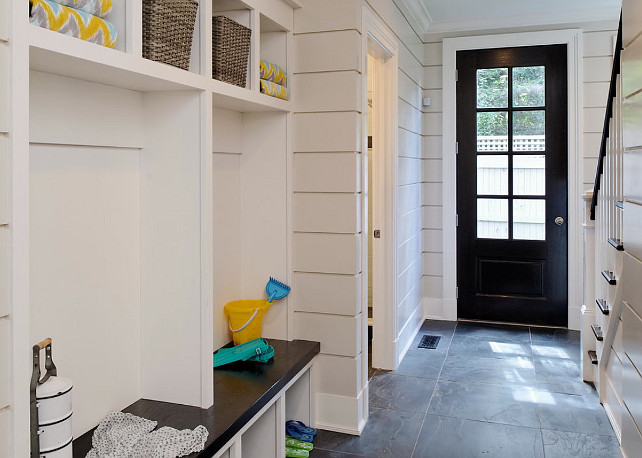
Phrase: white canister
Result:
[54,400]
[65,451]
[55,435]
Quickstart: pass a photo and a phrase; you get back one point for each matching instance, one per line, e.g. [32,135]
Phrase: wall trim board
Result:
[573,39]
[409,333]
[337,413]
[434,309]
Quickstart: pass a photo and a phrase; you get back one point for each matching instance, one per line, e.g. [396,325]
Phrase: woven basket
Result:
[231,50]
[168,30]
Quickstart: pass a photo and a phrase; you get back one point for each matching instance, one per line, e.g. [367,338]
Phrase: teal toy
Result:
[257,350]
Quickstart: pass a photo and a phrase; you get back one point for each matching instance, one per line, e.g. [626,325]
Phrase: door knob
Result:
[559,220]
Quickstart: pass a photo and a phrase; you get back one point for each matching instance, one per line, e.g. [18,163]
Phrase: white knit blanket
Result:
[123,435]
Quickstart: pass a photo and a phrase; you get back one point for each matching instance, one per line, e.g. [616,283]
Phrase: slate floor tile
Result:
[489,347]
[483,402]
[318,453]
[500,332]
[399,392]
[465,368]
[387,434]
[422,363]
[555,370]
[581,414]
[445,437]
[559,444]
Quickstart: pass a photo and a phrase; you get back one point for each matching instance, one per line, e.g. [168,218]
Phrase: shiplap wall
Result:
[5,323]
[631,380]
[327,195]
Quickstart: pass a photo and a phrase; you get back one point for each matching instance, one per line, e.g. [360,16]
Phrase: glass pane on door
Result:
[492,131]
[529,86]
[492,175]
[529,130]
[492,218]
[492,88]
[529,175]
[529,219]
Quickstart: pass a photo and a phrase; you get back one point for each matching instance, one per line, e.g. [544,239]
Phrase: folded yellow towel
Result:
[274,90]
[100,8]
[78,24]
[272,72]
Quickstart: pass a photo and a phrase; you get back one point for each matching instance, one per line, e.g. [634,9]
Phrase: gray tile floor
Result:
[486,391]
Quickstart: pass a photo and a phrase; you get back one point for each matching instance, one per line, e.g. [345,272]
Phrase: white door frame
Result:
[573,39]
[377,36]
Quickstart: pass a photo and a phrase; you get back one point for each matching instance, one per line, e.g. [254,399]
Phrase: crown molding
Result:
[579,16]
[417,15]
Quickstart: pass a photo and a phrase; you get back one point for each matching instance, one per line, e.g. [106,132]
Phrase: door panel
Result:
[512,185]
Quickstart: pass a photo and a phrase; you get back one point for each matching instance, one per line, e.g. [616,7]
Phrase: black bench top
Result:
[241,390]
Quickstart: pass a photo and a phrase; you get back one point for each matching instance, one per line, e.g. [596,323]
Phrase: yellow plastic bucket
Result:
[245,319]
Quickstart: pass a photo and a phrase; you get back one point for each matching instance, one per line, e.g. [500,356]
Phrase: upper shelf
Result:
[59,54]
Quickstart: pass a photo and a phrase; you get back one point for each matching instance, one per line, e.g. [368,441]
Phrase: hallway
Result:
[487,390]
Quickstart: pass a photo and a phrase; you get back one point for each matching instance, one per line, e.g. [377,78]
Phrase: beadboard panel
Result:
[4,180]
[632,336]
[4,85]
[631,121]
[594,119]
[409,91]
[632,68]
[4,363]
[631,26]
[327,51]
[327,253]
[408,252]
[433,286]
[327,212]
[436,100]
[328,293]
[433,217]
[433,54]
[120,122]
[327,15]
[433,77]
[631,233]
[433,171]
[433,124]
[4,271]
[596,94]
[327,172]
[432,240]
[409,224]
[227,131]
[409,117]
[339,335]
[433,147]
[408,198]
[597,69]
[632,390]
[321,132]
[632,185]
[408,279]
[598,44]
[5,428]
[433,264]
[327,91]
[350,368]
[409,171]
[409,143]
[433,193]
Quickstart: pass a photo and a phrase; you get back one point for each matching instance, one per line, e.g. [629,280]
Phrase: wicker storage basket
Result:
[168,30]
[231,50]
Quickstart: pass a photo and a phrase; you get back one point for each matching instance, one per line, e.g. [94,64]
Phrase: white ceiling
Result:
[443,16]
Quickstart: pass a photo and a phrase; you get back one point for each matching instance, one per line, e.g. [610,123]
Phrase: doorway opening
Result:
[379,166]
[512,181]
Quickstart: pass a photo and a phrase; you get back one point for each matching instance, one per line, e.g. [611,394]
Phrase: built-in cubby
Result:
[156,195]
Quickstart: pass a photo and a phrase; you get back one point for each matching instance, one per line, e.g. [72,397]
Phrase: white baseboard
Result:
[342,414]
[408,334]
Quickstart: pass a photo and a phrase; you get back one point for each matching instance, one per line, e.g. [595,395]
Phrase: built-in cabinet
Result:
[148,196]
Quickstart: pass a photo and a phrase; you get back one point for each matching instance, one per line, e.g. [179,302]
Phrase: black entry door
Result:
[512,185]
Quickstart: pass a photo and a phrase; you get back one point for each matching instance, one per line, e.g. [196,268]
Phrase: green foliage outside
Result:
[528,91]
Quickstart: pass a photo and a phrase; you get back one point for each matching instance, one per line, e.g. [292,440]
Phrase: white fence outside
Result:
[520,143]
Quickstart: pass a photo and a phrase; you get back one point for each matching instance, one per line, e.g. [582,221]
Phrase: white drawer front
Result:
[632,390]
